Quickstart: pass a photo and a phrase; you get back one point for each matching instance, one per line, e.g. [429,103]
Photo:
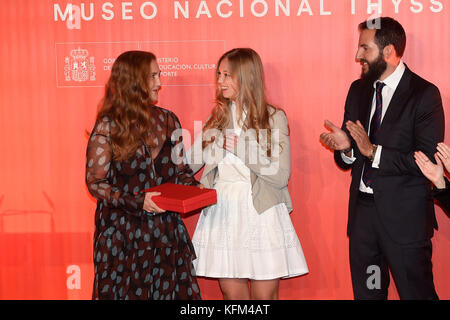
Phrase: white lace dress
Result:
[232,240]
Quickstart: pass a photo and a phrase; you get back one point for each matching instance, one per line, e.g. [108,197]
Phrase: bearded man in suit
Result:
[389,114]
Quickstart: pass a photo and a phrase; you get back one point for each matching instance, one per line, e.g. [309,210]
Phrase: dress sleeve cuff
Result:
[436,192]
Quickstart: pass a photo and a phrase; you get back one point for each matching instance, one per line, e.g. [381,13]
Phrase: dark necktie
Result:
[375,125]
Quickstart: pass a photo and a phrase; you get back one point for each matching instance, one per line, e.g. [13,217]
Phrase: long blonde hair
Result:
[246,67]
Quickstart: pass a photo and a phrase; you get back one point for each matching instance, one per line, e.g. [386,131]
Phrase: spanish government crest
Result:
[79,66]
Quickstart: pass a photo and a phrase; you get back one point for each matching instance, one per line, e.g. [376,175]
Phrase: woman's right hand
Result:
[149,205]
[434,172]
[444,155]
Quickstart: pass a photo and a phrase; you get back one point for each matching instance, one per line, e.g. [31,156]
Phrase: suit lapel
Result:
[399,99]
[366,105]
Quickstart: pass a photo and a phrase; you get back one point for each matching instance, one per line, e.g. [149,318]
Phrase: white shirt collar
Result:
[394,78]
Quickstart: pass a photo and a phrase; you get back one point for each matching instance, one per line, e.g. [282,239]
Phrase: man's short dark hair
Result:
[388,31]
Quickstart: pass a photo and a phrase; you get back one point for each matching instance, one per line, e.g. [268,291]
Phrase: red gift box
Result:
[181,198]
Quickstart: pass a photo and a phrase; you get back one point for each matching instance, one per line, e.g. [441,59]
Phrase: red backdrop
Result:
[53,70]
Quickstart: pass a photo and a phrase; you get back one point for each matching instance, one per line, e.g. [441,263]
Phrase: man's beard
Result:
[375,69]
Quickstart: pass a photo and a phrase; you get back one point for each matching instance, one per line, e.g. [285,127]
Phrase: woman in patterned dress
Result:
[140,251]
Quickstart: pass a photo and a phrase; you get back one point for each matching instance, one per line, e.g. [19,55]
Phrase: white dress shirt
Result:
[387,93]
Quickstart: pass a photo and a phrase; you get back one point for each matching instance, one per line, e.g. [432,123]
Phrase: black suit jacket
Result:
[443,195]
[413,121]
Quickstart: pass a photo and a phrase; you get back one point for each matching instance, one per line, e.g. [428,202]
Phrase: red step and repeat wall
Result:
[56,56]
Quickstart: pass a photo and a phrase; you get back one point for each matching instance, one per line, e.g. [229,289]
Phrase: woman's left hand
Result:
[444,154]
[434,172]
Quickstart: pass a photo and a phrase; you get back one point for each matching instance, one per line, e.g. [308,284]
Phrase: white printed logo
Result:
[79,66]
[374,280]
[74,278]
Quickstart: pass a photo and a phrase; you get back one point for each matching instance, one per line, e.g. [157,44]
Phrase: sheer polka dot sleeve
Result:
[98,179]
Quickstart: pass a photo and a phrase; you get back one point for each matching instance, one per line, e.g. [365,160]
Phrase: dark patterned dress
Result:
[138,255]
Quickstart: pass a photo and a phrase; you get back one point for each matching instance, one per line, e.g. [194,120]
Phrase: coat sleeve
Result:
[274,168]
[428,131]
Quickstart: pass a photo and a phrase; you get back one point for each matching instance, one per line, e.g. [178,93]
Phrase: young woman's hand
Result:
[434,172]
[444,155]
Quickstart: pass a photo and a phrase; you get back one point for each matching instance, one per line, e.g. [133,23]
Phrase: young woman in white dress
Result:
[247,239]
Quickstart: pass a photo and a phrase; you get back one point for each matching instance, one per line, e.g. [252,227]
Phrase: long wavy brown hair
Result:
[246,67]
[126,102]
